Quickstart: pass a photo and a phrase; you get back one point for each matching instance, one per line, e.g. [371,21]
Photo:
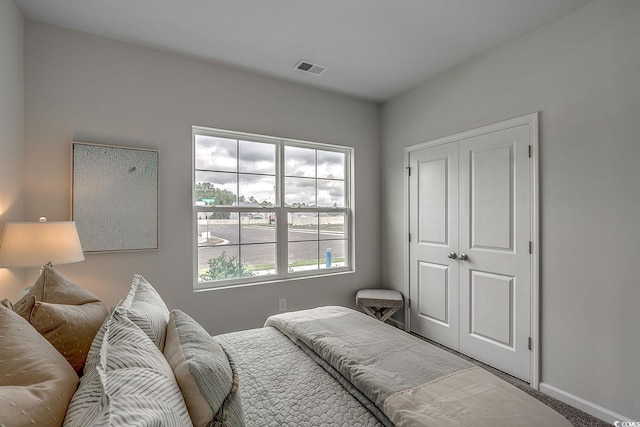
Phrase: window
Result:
[269,209]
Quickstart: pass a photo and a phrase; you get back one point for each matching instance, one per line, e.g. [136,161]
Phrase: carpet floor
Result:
[577,417]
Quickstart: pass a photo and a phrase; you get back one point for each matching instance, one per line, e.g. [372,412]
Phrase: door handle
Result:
[464,257]
[452,255]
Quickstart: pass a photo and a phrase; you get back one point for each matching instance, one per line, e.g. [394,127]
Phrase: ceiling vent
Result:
[308,67]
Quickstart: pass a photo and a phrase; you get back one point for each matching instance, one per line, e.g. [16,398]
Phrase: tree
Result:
[206,190]
[223,267]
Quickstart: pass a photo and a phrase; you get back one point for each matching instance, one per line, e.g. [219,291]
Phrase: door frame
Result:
[530,120]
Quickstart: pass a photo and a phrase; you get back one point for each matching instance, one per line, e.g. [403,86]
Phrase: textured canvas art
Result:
[115,197]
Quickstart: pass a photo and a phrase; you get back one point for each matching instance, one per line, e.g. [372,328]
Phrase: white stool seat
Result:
[380,304]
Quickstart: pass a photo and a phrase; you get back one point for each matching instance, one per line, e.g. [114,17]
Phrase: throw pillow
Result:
[36,382]
[206,376]
[144,307]
[64,313]
[131,383]
[70,328]
[54,288]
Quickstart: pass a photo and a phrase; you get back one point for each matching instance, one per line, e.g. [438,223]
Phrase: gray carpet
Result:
[577,417]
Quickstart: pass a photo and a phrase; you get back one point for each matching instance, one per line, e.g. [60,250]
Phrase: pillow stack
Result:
[140,365]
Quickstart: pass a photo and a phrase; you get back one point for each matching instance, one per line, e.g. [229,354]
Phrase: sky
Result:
[249,168]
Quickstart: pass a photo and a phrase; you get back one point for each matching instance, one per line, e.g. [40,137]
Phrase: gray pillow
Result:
[204,372]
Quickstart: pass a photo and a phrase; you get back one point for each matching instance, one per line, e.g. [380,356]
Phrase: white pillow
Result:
[131,381]
[144,307]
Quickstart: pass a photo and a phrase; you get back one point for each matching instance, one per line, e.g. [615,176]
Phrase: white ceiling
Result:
[374,49]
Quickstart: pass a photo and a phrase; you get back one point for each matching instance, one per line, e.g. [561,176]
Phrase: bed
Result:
[141,364]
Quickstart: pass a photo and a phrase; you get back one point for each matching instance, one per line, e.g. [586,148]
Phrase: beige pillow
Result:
[54,288]
[67,315]
[70,328]
[36,382]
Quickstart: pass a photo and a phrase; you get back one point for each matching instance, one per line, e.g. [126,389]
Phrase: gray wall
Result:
[582,73]
[11,129]
[85,88]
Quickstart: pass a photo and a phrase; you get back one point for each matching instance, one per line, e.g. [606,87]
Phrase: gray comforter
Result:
[410,381]
[281,386]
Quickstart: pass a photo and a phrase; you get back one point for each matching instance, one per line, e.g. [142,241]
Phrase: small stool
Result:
[379,303]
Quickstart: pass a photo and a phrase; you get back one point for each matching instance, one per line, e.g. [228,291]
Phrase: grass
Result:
[293,264]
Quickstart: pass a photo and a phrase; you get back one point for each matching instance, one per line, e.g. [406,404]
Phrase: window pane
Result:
[330,193]
[257,157]
[220,263]
[300,192]
[332,253]
[303,256]
[331,164]
[302,226]
[258,227]
[299,161]
[216,188]
[260,259]
[215,153]
[258,190]
[217,228]
[332,225]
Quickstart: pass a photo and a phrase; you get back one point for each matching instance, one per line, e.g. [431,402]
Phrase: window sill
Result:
[204,287]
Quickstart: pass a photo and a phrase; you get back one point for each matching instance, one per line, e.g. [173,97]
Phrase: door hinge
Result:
[409,237]
[409,170]
[530,247]
[409,303]
[530,151]
[530,343]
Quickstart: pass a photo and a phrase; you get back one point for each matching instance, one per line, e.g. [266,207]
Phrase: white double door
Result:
[470,273]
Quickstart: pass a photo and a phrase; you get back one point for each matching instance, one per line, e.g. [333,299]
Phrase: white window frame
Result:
[282,273]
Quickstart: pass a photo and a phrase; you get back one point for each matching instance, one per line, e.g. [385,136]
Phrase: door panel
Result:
[492,308]
[495,229]
[433,209]
[433,292]
[491,195]
[434,223]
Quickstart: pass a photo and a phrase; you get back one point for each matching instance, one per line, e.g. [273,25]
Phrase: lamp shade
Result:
[33,244]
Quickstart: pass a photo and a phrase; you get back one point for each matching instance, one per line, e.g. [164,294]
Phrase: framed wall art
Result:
[115,197]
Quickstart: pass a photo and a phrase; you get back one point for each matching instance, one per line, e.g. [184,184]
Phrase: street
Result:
[258,248]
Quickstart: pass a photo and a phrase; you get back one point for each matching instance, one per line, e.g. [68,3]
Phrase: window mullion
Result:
[282,216]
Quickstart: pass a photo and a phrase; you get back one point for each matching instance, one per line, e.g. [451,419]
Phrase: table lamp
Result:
[33,244]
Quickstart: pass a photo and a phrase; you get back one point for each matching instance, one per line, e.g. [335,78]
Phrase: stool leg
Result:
[388,314]
[369,311]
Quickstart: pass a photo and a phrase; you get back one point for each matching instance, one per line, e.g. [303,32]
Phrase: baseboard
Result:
[398,324]
[584,405]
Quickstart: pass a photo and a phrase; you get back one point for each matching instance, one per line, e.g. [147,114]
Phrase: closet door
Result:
[434,240]
[495,263]
[470,267]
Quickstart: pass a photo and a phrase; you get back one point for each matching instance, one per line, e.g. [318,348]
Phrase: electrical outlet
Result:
[282,304]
